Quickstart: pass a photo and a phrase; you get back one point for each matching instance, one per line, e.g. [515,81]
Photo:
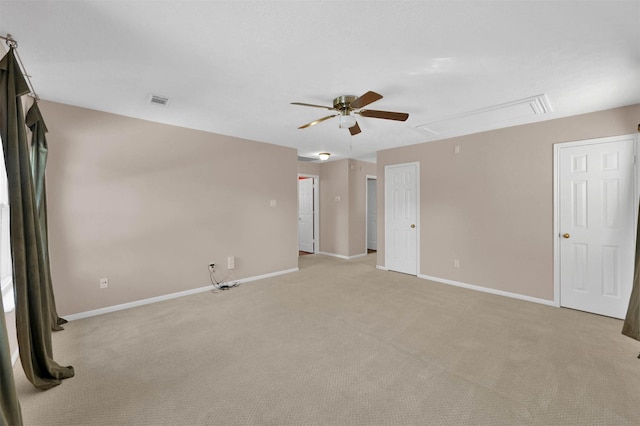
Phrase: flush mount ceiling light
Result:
[324,156]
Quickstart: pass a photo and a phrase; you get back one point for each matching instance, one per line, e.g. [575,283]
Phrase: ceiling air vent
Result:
[306,158]
[159,100]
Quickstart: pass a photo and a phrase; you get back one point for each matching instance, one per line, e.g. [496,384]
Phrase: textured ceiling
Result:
[233,67]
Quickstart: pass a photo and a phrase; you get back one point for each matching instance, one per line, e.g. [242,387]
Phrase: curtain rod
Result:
[11,42]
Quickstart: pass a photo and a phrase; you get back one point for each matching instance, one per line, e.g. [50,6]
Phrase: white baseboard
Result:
[382,268]
[357,256]
[269,275]
[490,290]
[341,256]
[14,357]
[150,300]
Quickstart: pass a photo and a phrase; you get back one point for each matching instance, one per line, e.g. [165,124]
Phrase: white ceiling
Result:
[233,67]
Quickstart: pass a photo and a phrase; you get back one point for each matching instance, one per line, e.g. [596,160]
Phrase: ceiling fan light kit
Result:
[347,105]
[347,121]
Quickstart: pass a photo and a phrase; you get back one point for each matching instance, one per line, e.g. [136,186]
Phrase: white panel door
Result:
[372,216]
[401,214]
[596,224]
[305,215]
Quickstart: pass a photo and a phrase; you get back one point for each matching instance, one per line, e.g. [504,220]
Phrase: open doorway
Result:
[308,208]
[372,214]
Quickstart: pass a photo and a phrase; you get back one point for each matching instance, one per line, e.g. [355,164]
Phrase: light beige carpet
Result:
[341,343]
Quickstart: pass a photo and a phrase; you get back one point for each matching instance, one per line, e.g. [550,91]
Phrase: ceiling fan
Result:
[347,105]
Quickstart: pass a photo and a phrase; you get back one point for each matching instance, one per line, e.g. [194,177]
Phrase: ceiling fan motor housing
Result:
[343,103]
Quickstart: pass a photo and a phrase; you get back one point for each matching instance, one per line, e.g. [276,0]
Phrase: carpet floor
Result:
[341,343]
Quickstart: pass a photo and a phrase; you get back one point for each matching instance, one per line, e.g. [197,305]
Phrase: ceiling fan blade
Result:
[320,120]
[365,99]
[387,115]
[355,129]
[311,105]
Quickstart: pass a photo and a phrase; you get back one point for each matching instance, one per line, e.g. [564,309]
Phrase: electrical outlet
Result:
[456,263]
[231,262]
[212,266]
[104,282]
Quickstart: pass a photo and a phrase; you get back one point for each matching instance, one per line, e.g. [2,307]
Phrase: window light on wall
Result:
[8,300]
[6,268]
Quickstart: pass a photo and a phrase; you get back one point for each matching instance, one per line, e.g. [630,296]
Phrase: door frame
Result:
[366,208]
[386,213]
[316,209]
[556,197]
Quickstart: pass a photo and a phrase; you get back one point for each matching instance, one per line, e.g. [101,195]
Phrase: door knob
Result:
[566,235]
[413,225]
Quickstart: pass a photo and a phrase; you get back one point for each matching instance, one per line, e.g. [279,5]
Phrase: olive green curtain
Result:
[10,413]
[30,279]
[631,325]
[39,152]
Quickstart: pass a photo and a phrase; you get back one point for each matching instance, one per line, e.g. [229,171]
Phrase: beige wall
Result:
[308,168]
[491,205]
[334,207]
[150,206]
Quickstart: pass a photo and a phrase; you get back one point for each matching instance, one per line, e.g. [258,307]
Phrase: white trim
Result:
[418,258]
[382,268]
[556,197]
[489,290]
[269,275]
[356,256]
[341,256]
[170,296]
[14,357]
[316,209]
[556,224]
[386,215]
